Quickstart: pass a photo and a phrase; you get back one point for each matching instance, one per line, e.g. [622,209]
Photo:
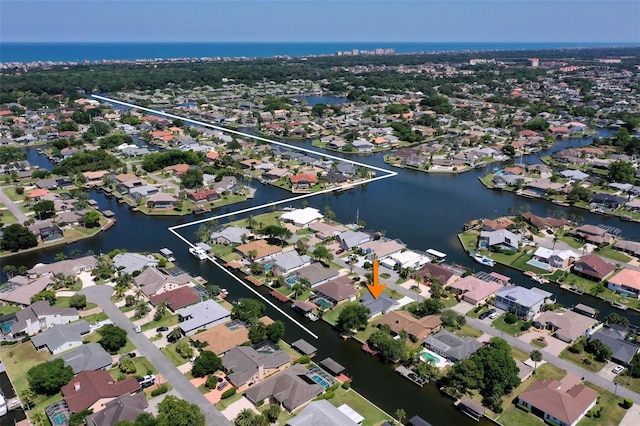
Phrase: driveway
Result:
[101,295]
[554,346]
[12,207]
[232,411]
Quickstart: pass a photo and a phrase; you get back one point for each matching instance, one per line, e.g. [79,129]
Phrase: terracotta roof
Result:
[627,277]
[304,178]
[176,299]
[564,403]
[89,387]
[34,193]
[221,339]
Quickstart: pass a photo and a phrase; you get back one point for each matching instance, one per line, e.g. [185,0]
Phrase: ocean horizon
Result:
[106,51]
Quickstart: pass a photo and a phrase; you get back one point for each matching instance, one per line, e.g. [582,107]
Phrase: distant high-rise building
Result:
[355,52]
[534,62]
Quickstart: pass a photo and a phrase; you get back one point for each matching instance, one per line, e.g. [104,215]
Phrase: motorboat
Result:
[483,260]
[198,252]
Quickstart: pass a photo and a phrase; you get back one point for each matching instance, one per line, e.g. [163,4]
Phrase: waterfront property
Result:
[41,316]
[474,290]
[251,365]
[615,338]
[203,315]
[524,302]
[593,267]
[626,282]
[451,346]
[416,328]
[322,412]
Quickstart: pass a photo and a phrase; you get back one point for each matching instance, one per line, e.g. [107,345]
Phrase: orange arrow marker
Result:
[376,288]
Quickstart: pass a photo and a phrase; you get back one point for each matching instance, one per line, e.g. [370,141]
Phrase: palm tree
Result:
[27,396]
[120,291]
[244,418]
[536,357]
[10,270]
[401,415]
[38,418]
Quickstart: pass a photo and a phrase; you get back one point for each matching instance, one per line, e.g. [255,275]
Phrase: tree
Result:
[622,171]
[389,349]
[48,295]
[173,411]
[17,237]
[614,318]
[401,415]
[44,209]
[257,333]
[184,349]
[27,397]
[354,316]
[142,309]
[275,331]
[127,366]
[248,310]
[244,418]
[452,319]
[91,219]
[10,270]
[113,338]
[427,307]
[47,378]
[509,150]
[275,231]
[329,215]
[78,301]
[536,357]
[161,309]
[322,253]
[600,350]
[192,178]
[273,412]
[206,363]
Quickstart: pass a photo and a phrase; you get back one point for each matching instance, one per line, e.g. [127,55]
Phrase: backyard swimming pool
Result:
[292,280]
[320,377]
[6,327]
[428,356]
[539,264]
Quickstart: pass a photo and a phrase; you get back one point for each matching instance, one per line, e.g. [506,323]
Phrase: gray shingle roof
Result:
[61,334]
[87,357]
[244,362]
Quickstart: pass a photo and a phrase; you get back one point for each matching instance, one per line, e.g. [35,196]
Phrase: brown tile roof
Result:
[594,266]
[400,321]
[89,387]
[431,269]
[176,299]
[221,339]
[565,403]
[261,247]
[337,289]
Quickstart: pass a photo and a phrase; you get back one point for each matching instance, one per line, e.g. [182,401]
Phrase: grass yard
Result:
[372,414]
[331,316]
[168,320]
[611,253]
[63,302]
[572,242]
[170,352]
[101,316]
[612,413]
[224,403]
[7,218]
[579,360]
[9,309]
[469,240]
[225,252]
[469,331]
[18,359]
[510,329]
[95,338]
[143,367]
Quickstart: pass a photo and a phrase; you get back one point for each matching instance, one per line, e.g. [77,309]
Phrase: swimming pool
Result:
[428,356]
[292,280]
[320,377]
[539,264]
[323,303]
[6,327]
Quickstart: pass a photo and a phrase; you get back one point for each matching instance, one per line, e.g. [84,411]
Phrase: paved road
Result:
[552,359]
[12,207]
[101,295]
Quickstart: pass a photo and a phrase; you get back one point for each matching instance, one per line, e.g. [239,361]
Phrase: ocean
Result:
[92,52]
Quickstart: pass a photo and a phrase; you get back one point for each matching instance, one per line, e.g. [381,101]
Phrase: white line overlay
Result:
[173,229]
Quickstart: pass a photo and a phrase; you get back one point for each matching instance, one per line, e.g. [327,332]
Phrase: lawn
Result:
[469,331]
[9,309]
[611,253]
[225,252]
[7,218]
[331,316]
[579,360]
[469,240]
[63,302]
[95,338]
[224,403]
[170,352]
[612,412]
[372,414]
[510,329]
[168,320]
[101,316]
[572,242]
[19,359]
[143,367]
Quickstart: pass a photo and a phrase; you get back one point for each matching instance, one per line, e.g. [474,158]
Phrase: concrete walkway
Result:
[101,295]
[552,359]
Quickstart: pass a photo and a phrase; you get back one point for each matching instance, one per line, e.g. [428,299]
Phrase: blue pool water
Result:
[291,280]
[426,356]
[6,327]
[319,380]
[59,419]
[323,303]
[539,264]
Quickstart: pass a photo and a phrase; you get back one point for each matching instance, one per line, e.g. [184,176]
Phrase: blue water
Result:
[6,327]
[79,52]
[539,264]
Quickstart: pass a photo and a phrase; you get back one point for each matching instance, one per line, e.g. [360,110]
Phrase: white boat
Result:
[198,252]
[483,260]
[312,316]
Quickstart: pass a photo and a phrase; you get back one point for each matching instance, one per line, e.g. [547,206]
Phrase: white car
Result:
[494,315]
[618,369]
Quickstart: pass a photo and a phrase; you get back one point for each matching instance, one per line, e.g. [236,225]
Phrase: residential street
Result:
[12,207]
[101,295]
[552,359]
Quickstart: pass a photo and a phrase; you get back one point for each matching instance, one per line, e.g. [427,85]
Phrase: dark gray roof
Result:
[382,304]
[331,365]
[291,388]
[623,350]
[57,336]
[87,357]
[455,347]
[304,347]
[244,362]
[127,407]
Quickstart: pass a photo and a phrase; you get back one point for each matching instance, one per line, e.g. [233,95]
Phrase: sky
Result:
[320,21]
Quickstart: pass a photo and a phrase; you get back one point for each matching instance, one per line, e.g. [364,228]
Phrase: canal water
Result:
[423,210]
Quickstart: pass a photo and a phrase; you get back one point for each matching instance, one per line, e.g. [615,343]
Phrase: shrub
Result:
[228,393]
[523,408]
[305,359]
[8,342]
[511,318]
[346,385]
[163,388]
[25,339]
[212,382]
[627,403]
[526,326]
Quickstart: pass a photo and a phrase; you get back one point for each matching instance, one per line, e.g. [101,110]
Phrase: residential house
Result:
[230,235]
[303,181]
[258,250]
[203,315]
[451,346]
[66,267]
[615,338]
[563,403]
[61,337]
[524,302]
[248,366]
[321,412]
[95,178]
[608,200]
[19,289]
[626,282]
[141,192]
[567,325]
[128,263]
[502,238]
[575,175]
[545,223]
[381,249]
[222,338]
[593,267]
[336,291]
[474,290]
[46,230]
[324,230]
[286,263]
[152,281]
[92,390]
[302,217]
[291,389]
[205,195]
[177,299]
[555,258]
[432,271]
[405,259]
[629,247]
[362,146]
[317,274]
[87,357]
[351,239]
[125,408]
[416,328]
[162,200]
[41,316]
[380,305]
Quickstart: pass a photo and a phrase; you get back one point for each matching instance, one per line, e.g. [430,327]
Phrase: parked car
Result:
[160,329]
[129,355]
[137,329]
[484,315]
[222,385]
[493,315]
[617,369]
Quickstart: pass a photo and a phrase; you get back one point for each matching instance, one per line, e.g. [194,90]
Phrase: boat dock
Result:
[411,375]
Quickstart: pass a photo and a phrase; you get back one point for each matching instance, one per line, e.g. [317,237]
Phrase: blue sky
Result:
[320,20]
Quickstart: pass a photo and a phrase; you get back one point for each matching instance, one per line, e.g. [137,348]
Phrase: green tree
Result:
[206,363]
[451,319]
[113,338]
[48,295]
[173,411]
[184,349]
[27,397]
[47,378]
[614,318]
[17,237]
[329,215]
[142,309]
[536,357]
[44,209]
[273,412]
[127,366]
[401,415]
[622,171]
[322,253]
[248,310]
[91,219]
[600,350]
[78,301]
[354,316]
[192,178]
[275,331]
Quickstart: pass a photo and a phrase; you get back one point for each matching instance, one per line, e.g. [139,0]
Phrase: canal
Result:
[423,210]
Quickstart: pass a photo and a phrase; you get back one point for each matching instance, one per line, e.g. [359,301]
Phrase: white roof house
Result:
[201,316]
[302,217]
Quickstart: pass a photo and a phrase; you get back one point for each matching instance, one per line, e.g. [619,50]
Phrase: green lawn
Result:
[331,316]
[469,240]
[579,360]
[572,242]
[372,414]
[168,320]
[63,302]
[143,367]
[170,352]
[95,338]
[8,309]
[7,218]
[611,253]
[225,252]
[469,331]
[612,413]
[510,329]
[224,403]
[101,316]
